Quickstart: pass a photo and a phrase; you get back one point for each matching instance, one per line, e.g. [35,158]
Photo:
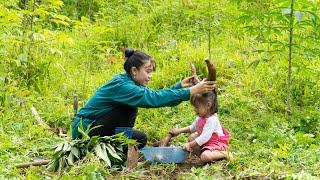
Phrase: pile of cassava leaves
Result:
[109,149]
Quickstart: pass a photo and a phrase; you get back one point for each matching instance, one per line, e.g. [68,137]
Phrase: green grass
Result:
[265,141]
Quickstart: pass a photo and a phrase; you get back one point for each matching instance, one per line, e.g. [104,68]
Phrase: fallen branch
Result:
[58,131]
[36,163]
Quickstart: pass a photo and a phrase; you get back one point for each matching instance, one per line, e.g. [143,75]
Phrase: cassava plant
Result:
[270,21]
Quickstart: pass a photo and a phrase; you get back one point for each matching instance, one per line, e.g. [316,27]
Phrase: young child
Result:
[210,142]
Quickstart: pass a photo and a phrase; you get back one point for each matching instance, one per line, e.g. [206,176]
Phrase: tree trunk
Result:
[290,59]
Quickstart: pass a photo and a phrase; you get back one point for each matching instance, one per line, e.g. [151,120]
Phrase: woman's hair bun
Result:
[128,52]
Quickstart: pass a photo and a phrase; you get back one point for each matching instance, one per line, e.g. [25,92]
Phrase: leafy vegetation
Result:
[110,149]
[53,50]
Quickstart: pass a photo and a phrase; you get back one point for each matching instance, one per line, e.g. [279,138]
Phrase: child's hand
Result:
[187,147]
[174,132]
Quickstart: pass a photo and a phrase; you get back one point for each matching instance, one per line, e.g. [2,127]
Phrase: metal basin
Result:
[164,154]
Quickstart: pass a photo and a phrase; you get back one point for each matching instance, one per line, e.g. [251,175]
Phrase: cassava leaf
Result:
[298,15]
[66,146]
[75,151]
[102,154]
[59,147]
[286,11]
[84,134]
[113,152]
[104,151]
[52,166]
[70,159]
[62,162]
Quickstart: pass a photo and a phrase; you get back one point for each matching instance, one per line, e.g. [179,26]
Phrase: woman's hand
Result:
[174,132]
[203,87]
[190,81]
[187,147]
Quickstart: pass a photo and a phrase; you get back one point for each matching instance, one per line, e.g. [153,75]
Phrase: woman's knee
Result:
[143,141]
[140,137]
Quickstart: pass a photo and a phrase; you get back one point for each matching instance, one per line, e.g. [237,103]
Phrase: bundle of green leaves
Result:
[109,149]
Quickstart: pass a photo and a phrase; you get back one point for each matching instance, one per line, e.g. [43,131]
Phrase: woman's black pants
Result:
[122,116]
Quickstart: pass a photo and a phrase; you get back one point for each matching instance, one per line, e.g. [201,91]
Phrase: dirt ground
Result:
[148,171]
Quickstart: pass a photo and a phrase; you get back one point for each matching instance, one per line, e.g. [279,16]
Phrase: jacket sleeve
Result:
[176,85]
[139,96]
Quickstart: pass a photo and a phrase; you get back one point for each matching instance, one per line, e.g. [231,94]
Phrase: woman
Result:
[115,103]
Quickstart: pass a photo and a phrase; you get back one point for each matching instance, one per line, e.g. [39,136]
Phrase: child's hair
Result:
[136,58]
[203,99]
